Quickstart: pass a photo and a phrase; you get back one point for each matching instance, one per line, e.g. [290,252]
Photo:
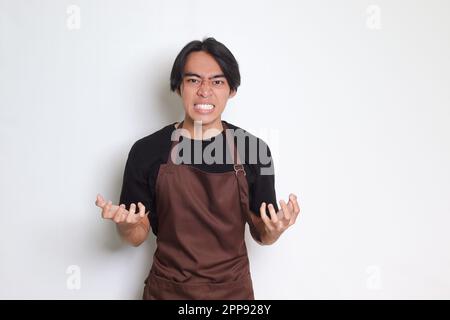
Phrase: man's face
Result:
[204,88]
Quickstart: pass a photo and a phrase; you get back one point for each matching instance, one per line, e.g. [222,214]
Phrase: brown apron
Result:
[201,251]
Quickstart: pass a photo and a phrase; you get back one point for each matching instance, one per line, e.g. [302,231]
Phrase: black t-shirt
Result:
[148,153]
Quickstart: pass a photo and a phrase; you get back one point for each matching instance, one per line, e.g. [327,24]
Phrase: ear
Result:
[232,94]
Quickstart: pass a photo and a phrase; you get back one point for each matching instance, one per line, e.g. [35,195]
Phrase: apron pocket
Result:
[161,288]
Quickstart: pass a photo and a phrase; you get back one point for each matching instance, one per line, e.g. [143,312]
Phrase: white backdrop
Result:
[351,96]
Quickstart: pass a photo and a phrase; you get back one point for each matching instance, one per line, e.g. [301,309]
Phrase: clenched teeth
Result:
[204,106]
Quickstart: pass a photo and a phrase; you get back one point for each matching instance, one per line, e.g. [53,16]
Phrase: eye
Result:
[192,80]
[218,82]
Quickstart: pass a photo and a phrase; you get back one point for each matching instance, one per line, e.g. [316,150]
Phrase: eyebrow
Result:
[191,74]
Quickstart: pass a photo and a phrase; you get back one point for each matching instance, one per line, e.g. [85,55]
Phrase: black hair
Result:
[218,51]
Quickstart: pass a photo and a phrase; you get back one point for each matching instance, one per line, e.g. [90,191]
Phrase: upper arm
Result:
[263,186]
[135,185]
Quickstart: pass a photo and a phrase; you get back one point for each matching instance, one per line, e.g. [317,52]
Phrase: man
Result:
[198,208]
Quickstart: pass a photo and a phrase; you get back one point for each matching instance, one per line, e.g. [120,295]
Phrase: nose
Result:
[204,90]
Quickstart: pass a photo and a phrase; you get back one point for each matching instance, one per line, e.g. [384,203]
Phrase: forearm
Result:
[134,235]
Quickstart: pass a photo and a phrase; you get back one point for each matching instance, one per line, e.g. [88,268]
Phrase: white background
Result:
[353,102]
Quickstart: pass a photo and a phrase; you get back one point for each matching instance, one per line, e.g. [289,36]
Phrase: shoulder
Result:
[250,138]
[254,151]
[151,145]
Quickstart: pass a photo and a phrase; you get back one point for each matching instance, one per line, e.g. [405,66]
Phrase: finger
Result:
[295,203]
[106,212]
[273,214]
[286,211]
[116,214]
[141,209]
[132,214]
[132,208]
[119,215]
[125,212]
[113,209]
[99,201]
[264,217]
[291,208]
[142,213]
[136,217]
[290,205]
[293,199]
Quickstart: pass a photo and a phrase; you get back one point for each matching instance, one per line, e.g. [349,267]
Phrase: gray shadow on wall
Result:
[169,108]
[169,105]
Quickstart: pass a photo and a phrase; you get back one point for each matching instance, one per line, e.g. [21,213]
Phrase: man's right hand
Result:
[119,214]
[126,220]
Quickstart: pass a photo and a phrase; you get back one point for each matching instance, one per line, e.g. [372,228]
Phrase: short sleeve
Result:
[263,187]
[135,186]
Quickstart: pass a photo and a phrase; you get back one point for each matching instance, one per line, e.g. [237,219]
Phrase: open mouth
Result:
[204,108]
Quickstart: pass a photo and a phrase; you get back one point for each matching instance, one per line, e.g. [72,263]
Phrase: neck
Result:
[200,131]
